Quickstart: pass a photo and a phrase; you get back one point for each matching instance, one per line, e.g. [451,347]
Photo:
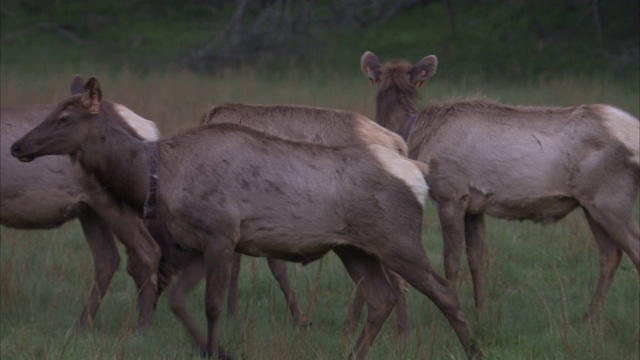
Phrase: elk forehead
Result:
[397,69]
[67,110]
[402,169]
[145,128]
[623,127]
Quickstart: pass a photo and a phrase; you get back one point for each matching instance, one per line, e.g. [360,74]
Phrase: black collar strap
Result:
[407,129]
[149,211]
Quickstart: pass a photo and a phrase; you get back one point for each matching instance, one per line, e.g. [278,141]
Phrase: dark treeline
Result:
[518,38]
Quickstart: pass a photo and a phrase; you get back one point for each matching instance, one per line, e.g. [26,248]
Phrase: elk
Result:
[221,188]
[516,162]
[42,197]
[53,190]
[294,122]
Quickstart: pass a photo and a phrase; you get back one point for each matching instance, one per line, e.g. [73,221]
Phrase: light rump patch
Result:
[373,133]
[624,127]
[145,128]
[403,169]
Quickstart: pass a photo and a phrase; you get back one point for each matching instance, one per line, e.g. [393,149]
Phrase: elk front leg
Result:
[279,270]
[218,258]
[142,250]
[187,280]
[232,297]
[105,261]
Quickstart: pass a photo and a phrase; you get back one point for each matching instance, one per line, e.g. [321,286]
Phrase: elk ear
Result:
[370,66]
[77,85]
[423,70]
[92,96]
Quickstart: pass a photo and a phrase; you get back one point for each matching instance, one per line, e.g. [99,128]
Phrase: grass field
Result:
[540,278]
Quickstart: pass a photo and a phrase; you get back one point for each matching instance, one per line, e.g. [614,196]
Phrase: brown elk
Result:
[53,190]
[45,196]
[61,192]
[516,162]
[294,122]
[224,187]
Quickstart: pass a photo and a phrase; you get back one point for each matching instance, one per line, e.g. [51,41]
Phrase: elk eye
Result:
[63,120]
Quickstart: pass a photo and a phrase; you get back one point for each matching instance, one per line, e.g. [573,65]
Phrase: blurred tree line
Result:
[526,37]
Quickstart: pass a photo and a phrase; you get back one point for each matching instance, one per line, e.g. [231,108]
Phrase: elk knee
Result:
[382,303]
[176,301]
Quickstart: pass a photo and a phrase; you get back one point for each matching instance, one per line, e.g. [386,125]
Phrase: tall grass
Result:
[540,279]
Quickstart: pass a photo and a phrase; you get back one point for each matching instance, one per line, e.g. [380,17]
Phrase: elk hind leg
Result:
[474,237]
[367,271]
[452,223]
[400,289]
[355,312]
[610,201]
[413,265]
[610,256]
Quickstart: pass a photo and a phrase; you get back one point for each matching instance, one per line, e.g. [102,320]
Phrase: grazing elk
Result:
[294,122]
[516,162]
[223,188]
[53,190]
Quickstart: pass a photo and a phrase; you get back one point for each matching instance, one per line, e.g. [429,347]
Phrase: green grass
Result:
[539,284]
[539,278]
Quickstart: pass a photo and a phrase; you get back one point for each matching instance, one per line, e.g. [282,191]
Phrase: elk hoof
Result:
[303,323]
[143,329]
[473,352]
[81,328]
[222,354]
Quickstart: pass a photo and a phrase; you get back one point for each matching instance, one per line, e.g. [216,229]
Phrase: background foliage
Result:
[504,40]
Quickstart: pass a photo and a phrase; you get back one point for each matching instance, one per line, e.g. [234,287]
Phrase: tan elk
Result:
[222,188]
[516,162]
[53,190]
[294,122]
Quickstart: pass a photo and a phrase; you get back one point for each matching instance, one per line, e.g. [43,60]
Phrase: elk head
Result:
[65,129]
[415,74]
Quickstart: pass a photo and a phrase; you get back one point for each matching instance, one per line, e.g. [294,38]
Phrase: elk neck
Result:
[120,162]
[396,109]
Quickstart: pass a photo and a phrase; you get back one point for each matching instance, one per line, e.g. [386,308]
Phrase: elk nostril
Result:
[15,149]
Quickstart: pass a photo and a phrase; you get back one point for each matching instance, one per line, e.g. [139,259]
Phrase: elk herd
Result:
[292,183]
